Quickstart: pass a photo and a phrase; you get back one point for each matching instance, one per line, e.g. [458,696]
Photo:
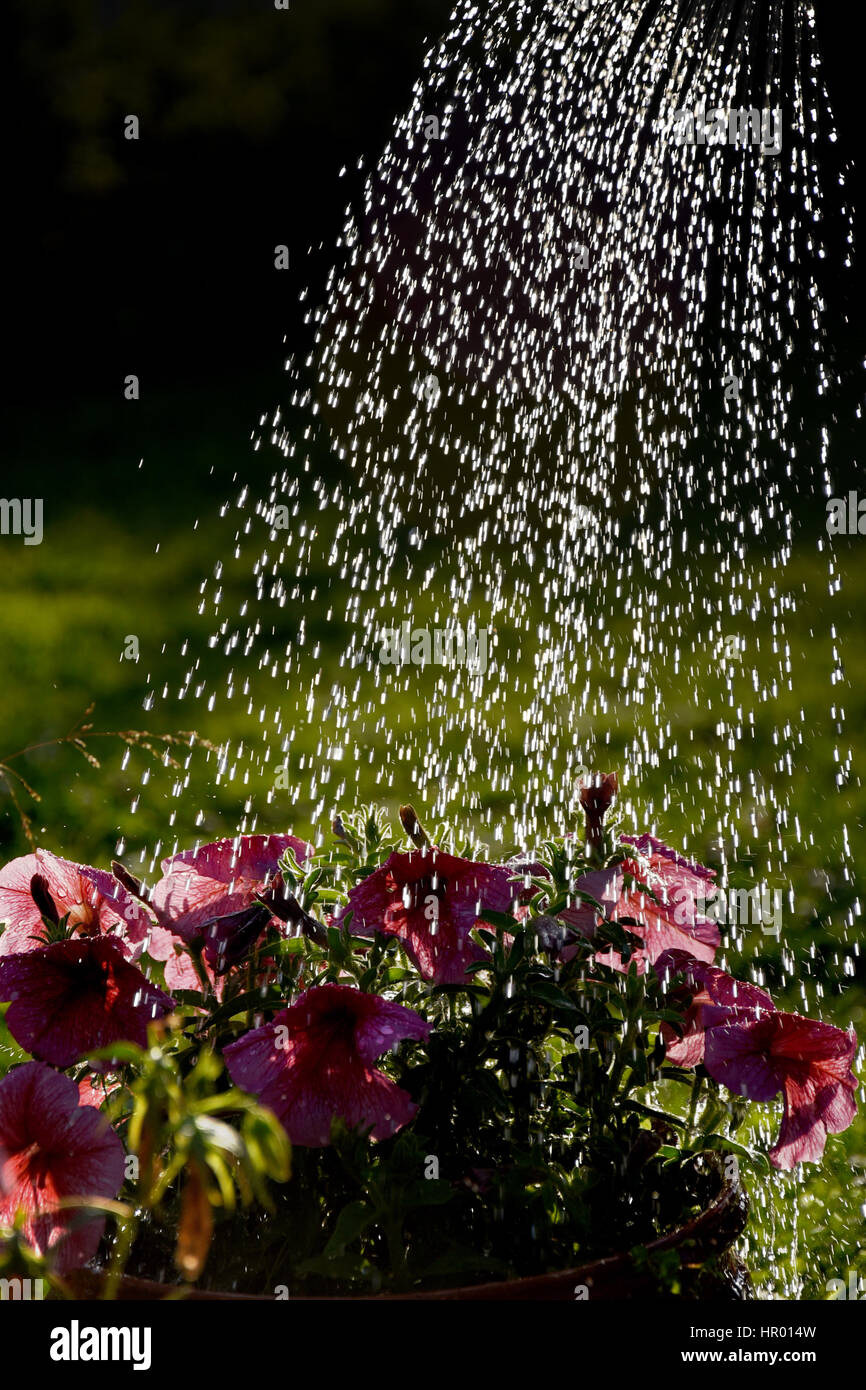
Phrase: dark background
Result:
[155,256]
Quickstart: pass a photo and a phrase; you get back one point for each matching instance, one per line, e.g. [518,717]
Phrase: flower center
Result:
[37,1164]
[83,919]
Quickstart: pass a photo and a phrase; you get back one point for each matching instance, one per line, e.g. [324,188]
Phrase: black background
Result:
[155,256]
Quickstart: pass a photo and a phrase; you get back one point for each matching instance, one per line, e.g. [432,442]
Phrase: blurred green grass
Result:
[67,607]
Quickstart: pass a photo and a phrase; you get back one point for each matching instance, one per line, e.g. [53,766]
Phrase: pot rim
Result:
[711,1232]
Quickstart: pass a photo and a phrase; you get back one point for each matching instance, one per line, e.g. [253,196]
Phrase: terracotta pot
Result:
[709,1234]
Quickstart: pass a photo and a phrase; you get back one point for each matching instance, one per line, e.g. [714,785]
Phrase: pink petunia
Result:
[667,917]
[755,1050]
[715,999]
[431,901]
[52,1147]
[605,886]
[95,1088]
[96,903]
[74,997]
[202,889]
[810,1062]
[314,1063]
[180,973]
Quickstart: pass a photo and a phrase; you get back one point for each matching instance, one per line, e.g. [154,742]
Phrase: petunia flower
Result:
[94,901]
[606,887]
[663,903]
[431,901]
[74,997]
[95,1088]
[714,998]
[52,1147]
[755,1050]
[207,896]
[808,1061]
[314,1063]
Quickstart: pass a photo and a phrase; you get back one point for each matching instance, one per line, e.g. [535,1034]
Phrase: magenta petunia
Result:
[96,904]
[95,1088]
[663,898]
[808,1061]
[202,890]
[314,1063]
[713,998]
[605,886]
[431,901]
[70,999]
[180,973]
[52,1147]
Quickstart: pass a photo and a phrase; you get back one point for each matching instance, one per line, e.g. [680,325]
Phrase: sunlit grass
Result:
[66,608]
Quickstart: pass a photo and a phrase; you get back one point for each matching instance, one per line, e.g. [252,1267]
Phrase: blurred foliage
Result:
[214,66]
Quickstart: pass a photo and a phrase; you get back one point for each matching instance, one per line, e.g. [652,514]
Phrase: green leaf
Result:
[119,1052]
[346,1267]
[503,920]
[463,1262]
[721,1143]
[669,1151]
[241,1004]
[352,1222]
[267,1146]
[654,1114]
[10,1053]
[687,1078]
[292,946]
[551,994]
[517,952]
[336,944]
[395,974]
[330,895]
[193,998]
[428,1192]
[485,938]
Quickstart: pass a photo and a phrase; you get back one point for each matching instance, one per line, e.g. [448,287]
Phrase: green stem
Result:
[621,1058]
[697,1087]
[198,965]
[396,1248]
[123,1243]
[632,1022]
